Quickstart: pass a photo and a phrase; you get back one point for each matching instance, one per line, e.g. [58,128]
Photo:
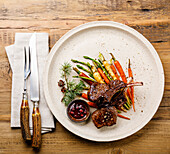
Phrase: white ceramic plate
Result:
[124,42]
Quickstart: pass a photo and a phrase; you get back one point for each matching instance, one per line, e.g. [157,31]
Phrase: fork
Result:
[24,111]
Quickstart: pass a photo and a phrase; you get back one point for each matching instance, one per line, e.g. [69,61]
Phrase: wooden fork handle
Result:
[24,118]
[36,118]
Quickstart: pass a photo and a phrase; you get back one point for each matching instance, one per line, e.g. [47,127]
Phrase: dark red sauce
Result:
[78,110]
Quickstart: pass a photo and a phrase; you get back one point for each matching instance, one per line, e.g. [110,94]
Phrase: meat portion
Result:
[107,97]
[103,93]
[97,90]
[104,117]
[115,87]
[119,100]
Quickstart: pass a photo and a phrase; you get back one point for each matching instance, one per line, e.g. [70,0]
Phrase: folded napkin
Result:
[15,55]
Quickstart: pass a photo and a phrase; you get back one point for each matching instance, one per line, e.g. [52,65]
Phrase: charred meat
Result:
[115,87]
[107,97]
[103,93]
[119,100]
[97,90]
[104,117]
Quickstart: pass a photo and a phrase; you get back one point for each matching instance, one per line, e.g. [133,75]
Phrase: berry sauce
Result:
[78,110]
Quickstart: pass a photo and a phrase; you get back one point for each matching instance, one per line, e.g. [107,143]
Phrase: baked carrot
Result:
[129,93]
[132,87]
[107,66]
[119,68]
[96,75]
[81,74]
[103,75]
[121,72]
[127,105]
[84,95]
[91,104]
[114,71]
[121,116]
[101,72]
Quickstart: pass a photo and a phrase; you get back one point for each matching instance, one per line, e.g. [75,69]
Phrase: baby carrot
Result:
[129,93]
[84,95]
[119,68]
[96,75]
[132,88]
[121,116]
[114,71]
[103,75]
[91,104]
[121,72]
[107,66]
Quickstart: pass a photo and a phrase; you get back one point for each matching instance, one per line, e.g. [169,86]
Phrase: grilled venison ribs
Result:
[106,96]
[101,93]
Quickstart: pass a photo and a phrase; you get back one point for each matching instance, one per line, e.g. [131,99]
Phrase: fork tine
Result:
[25,65]
[29,60]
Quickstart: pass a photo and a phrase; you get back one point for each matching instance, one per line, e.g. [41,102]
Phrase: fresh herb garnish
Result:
[65,72]
[72,88]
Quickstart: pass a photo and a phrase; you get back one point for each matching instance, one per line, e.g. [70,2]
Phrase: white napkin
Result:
[15,55]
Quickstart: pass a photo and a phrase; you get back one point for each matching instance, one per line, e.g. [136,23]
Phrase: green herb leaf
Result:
[65,69]
[73,89]
[79,87]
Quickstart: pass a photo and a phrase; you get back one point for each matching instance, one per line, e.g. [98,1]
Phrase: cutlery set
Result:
[31,69]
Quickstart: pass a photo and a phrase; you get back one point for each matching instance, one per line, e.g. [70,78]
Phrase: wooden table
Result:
[149,17]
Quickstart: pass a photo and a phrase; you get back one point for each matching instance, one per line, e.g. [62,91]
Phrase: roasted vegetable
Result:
[107,66]
[99,65]
[81,74]
[101,73]
[83,63]
[121,116]
[114,70]
[132,88]
[96,75]
[121,72]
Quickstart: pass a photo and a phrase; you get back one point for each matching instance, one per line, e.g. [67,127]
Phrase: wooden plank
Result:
[84,9]
[62,141]
[151,18]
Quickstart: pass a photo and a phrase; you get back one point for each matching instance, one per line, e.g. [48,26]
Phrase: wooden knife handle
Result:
[24,118]
[36,118]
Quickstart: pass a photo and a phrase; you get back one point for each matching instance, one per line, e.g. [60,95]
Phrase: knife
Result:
[34,94]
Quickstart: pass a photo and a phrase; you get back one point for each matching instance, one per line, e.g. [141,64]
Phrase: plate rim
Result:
[90,25]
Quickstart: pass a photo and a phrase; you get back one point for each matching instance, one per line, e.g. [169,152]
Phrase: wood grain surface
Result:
[149,17]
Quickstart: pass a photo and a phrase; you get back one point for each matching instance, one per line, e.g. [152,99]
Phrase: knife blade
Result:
[34,94]
[34,84]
